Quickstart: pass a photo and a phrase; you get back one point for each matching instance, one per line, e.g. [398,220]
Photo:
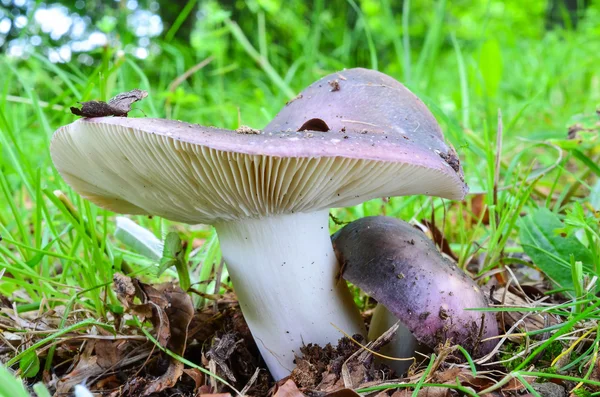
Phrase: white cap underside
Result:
[131,171]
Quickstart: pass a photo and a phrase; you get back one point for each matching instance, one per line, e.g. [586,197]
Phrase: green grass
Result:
[59,251]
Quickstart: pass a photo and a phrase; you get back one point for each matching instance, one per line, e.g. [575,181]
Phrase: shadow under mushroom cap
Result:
[195,174]
[402,269]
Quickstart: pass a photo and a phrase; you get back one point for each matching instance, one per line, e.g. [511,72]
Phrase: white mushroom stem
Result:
[283,270]
[404,344]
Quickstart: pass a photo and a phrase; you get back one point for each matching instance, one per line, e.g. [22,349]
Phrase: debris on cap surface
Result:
[120,105]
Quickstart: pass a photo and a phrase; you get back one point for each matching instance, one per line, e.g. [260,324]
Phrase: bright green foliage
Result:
[174,255]
[550,250]
[29,364]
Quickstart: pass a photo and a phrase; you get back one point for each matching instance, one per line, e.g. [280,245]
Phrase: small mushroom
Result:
[402,269]
[268,193]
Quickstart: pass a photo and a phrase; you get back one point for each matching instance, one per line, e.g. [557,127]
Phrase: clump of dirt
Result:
[244,129]
[335,85]
[330,368]
[452,159]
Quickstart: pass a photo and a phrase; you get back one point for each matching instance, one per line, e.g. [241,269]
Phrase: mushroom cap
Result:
[194,174]
[402,269]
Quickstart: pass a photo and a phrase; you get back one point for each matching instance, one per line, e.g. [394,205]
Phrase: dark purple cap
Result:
[402,269]
[383,142]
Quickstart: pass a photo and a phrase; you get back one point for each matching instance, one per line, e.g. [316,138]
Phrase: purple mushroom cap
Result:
[402,269]
[362,101]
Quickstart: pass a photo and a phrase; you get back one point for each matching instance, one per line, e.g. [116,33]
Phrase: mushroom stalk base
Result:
[284,273]
[403,345]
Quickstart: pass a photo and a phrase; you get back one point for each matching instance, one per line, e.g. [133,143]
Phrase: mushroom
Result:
[401,268]
[268,193]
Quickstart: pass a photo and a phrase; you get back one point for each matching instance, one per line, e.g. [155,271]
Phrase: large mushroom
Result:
[402,269]
[349,137]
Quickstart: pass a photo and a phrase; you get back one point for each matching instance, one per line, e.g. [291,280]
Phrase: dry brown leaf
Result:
[86,367]
[90,365]
[532,321]
[108,353]
[343,393]
[479,208]
[204,390]
[515,385]
[448,375]
[383,393]
[215,395]
[465,377]
[440,239]
[331,383]
[434,392]
[166,380]
[153,304]
[170,310]
[196,375]
[178,313]
[110,382]
[288,389]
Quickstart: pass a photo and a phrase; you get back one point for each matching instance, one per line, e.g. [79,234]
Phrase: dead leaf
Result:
[434,392]
[440,240]
[108,353]
[215,395]
[448,375]
[88,365]
[479,208]
[179,313]
[196,375]
[170,310]
[119,105]
[166,380]
[153,304]
[529,321]
[288,389]
[204,390]
[515,385]
[383,393]
[331,383]
[110,382]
